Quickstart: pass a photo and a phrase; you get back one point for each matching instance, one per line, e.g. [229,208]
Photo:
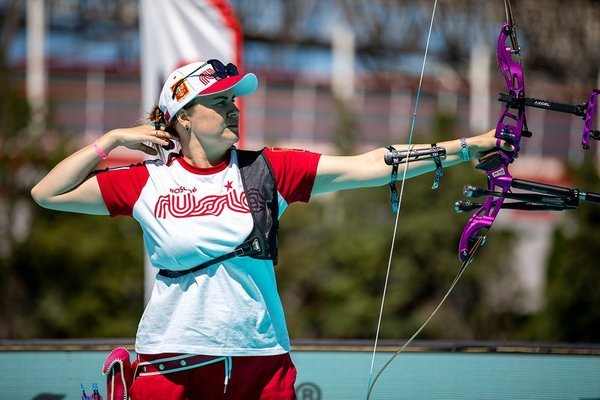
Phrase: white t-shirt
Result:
[191,215]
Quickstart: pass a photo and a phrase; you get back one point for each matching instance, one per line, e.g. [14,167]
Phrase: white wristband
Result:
[466,156]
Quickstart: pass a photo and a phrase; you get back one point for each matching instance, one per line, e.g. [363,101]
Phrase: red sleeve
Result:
[121,187]
[295,172]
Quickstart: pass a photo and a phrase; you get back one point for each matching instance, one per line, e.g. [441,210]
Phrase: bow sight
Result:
[586,111]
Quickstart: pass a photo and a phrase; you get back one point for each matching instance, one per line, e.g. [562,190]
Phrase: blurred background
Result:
[337,76]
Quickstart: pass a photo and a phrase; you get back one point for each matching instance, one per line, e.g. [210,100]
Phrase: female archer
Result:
[214,326]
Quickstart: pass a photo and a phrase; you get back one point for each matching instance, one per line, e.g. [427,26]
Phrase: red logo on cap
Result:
[181,91]
[207,76]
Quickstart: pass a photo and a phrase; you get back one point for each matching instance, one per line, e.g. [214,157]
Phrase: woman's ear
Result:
[183,117]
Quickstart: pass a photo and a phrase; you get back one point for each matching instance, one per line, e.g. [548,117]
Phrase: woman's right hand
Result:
[69,185]
[135,138]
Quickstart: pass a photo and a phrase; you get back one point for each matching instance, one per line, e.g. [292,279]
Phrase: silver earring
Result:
[187,128]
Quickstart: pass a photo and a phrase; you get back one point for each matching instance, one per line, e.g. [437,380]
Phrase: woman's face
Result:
[215,117]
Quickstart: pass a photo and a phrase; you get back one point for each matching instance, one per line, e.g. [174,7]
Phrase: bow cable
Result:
[410,140]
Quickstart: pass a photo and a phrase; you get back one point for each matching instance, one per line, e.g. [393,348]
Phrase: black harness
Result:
[261,193]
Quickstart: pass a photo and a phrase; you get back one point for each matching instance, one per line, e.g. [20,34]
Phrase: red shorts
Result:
[252,377]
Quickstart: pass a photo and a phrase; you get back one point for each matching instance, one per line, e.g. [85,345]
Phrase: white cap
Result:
[200,79]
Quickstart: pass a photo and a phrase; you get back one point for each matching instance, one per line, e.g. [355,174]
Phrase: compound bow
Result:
[511,127]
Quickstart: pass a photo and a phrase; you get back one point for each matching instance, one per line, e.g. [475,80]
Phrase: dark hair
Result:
[156,117]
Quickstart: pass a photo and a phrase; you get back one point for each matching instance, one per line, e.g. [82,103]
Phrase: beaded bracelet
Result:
[466,156]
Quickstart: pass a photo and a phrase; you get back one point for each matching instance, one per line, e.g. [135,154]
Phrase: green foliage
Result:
[572,298]
[63,275]
[82,277]
[333,260]
[347,132]
[67,275]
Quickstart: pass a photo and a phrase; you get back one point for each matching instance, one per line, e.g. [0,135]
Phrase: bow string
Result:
[397,207]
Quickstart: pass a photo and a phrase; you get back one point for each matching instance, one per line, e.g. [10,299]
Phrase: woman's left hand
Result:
[482,144]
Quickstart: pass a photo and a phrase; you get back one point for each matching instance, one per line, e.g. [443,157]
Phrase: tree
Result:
[572,299]
[64,275]
[334,257]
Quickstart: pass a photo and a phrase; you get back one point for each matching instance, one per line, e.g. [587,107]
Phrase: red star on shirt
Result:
[229,185]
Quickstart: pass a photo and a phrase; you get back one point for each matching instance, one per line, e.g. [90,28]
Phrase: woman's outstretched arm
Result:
[369,169]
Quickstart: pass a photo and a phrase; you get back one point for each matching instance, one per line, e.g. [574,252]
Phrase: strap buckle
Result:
[251,246]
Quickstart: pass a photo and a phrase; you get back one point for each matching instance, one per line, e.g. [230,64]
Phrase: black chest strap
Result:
[248,248]
[259,185]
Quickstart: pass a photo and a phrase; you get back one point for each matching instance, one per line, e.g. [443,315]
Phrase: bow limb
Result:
[511,127]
